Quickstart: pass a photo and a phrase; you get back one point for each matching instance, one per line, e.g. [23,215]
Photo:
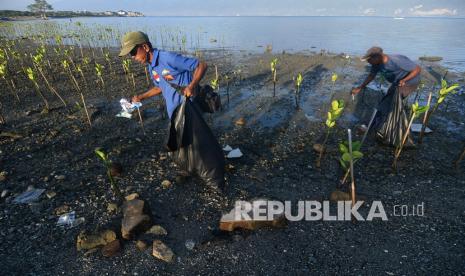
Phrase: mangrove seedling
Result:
[77,87]
[442,94]
[99,72]
[337,107]
[108,165]
[273,64]
[3,71]
[297,83]
[215,83]
[31,76]
[350,153]
[37,61]
[334,77]
[417,110]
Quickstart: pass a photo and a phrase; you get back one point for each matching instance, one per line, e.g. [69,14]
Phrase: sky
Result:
[398,8]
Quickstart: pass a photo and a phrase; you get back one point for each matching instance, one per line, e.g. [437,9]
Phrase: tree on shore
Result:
[40,6]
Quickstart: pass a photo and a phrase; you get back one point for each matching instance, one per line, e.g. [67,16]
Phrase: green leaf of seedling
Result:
[357,154]
[356,145]
[334,105]
[443,83]
[334,77]
[343,164]
[342,148]
[346,157]
[101,154]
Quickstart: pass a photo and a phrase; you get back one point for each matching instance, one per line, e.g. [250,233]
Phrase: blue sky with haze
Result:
[401,8]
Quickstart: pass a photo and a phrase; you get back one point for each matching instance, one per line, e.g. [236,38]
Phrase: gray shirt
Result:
[397,68]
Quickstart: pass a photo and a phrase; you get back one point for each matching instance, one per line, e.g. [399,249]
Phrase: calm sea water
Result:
[413,37]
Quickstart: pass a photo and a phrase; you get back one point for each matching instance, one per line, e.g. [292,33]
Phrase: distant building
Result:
[122,13]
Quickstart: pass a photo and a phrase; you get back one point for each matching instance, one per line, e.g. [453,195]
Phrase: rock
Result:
[318,148]
[90,252]
[61,210]
[112,208]
[132,196]
[162,252]
[60,177]
[50,194]
[229,223]
[135,218]
[157,230]
[430,58]
[111,248]
[240,122]
[89,241]
[3,176]
[180,179]
[342,196]
[141,245]
[116,169]
[5,193]
[166,184]
[190,244]
[339,196]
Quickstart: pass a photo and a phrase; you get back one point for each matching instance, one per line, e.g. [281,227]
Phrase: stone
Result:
[190,244]
[339,196]
[111,248]
[318,148]
[240,122]
[87,241]
[157,230]
[132,196]
[135,218]
[5,193]
[60,177]
[166,184]
[162,252]
[112,207]
[229,223]
[141,245]
[50,194]
[3,175]
[63,209]
[116,169]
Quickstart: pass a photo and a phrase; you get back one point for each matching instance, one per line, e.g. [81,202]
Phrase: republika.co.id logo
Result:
[310,210]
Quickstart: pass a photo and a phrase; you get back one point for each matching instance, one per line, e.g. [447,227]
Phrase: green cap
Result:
[131,40]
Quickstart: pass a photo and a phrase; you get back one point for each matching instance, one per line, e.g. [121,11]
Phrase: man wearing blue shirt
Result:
[174,76]
[404,76]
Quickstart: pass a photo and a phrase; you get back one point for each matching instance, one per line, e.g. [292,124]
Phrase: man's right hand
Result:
[356,90]
[135,99]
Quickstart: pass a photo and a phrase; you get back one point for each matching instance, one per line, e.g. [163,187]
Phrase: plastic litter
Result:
[417,128]
[69,220]
[127,108]
[193,146]
[29,196]
[235,153]
[227,148]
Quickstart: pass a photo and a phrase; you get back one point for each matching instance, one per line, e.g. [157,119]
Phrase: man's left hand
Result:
[401,83]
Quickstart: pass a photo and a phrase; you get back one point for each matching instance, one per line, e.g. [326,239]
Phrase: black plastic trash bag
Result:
[391,121]
[193,146]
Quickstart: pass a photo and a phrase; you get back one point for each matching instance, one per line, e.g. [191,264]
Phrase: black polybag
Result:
[391,121]
[193,146]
